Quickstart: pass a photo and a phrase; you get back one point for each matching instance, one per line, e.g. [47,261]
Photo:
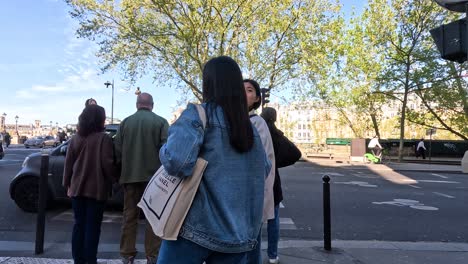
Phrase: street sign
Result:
[431,131]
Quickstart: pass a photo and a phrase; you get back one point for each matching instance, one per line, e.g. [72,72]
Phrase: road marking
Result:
[366,176]
[116,217]
[444,195]
[414,186]
[441,176]
[332,173]
[432,181]
[410,203]
[285,224]
[358,183]
[10,164]
[108,217]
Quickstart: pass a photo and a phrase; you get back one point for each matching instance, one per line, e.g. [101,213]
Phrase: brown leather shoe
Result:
[128,260]
[151,260]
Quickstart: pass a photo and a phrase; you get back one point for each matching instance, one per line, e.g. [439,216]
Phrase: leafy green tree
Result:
[172,39]
[410,60]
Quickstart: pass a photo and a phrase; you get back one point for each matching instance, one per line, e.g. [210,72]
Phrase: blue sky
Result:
[46,73]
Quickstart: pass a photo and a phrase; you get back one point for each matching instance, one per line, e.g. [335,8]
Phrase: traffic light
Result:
[451,41]
[265,95]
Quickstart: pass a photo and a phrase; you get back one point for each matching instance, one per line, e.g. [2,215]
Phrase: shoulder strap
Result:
[202,114]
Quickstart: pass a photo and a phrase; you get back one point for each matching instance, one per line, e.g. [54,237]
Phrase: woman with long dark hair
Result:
[88,175]
[224,220]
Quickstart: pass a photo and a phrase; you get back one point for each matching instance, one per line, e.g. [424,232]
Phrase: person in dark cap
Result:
[286,154]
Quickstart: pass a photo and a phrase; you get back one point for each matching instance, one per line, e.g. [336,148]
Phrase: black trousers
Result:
[422,153]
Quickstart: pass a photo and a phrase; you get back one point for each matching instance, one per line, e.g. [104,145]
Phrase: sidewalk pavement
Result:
[293,251]
[440,165]
[298,252]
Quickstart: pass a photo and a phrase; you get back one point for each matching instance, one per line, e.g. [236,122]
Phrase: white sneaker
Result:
[274,261]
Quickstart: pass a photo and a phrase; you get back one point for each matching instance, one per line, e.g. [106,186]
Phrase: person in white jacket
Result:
[375,146]
[421,149]
[252,90]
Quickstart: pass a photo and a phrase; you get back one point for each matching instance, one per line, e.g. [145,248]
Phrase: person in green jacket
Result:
[137,144]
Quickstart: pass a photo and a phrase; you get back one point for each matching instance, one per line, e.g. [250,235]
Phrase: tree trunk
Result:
[403,112]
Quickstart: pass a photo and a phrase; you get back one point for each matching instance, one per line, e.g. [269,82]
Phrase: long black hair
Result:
[91,120]
[223,85]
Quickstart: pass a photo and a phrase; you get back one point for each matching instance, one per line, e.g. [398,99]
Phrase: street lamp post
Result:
[16,127]
[107,84]
[4,121]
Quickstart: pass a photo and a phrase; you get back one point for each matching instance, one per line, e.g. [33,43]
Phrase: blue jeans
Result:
[183,251]
[273,235]
[87,229]
[255,256]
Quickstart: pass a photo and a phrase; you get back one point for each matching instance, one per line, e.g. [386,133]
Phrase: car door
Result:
[56,163]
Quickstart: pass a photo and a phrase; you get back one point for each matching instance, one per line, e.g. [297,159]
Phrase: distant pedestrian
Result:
[90,101]
[286,154]
[137,144]
[88,175]
[2,153]
[375,147]
[421,149]
[62,136]
[7,139]
[252,91]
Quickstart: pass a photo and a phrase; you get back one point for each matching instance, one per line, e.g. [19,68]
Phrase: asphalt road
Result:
[378,205]
[366,205]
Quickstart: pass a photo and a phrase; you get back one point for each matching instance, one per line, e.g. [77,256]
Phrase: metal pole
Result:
[430,146]
[326,213]
[40,224]
[112,109]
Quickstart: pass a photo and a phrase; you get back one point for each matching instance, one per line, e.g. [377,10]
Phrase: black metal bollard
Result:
[40,224]
[326,213]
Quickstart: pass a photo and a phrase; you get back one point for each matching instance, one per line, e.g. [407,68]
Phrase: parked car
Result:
[34,142]
[24,188]
[41,142]
[50,141]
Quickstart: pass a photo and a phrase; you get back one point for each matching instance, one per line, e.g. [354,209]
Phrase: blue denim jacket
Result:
[226,213]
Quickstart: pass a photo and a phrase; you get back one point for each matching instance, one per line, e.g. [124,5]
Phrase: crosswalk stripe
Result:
[116,217]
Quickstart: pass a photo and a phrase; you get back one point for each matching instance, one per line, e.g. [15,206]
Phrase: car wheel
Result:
[27,146]
[26,194]
[43,145]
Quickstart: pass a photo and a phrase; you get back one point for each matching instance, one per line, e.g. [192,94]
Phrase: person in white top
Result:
[252,91]
[375,146]
[421,149]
